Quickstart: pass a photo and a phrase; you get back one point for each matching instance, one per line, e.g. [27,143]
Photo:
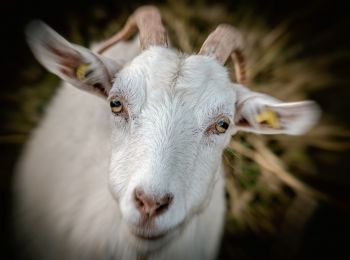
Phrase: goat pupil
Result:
[223,124]
[116,103]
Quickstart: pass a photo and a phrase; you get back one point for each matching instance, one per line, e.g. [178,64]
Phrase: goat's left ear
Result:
[74,64]
[263,114]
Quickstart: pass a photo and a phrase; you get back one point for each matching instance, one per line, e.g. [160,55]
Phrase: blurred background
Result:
[287,197]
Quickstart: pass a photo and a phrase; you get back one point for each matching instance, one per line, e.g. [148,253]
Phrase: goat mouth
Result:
[143,235]
[149,237]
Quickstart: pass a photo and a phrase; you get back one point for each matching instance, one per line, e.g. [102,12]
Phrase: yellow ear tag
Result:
[270,117]
[81,71]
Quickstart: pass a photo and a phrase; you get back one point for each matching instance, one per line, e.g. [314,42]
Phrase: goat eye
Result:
[222,125]
[116,106]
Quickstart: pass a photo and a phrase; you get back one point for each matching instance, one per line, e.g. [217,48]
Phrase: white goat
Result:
[138,173]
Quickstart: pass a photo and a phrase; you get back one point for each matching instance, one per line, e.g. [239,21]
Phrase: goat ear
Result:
[74,64]
[263,114]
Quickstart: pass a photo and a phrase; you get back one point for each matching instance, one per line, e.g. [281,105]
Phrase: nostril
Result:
[139,199]
[160,209]
[163,203]
[139,203]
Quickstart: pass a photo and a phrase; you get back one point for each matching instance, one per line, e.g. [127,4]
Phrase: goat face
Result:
[165,144]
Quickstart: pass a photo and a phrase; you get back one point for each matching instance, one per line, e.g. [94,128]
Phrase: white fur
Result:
[77,176]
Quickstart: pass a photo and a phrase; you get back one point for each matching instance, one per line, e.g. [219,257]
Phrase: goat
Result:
[137,171]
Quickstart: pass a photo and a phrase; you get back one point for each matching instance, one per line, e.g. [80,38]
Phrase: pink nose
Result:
[151,206]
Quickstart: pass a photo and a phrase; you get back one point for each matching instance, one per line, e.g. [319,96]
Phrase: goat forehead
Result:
[193,78]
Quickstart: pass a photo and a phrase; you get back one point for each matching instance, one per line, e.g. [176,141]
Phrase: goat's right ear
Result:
[74,64]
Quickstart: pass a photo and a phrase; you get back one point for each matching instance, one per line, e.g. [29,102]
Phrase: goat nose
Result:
[151,206]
